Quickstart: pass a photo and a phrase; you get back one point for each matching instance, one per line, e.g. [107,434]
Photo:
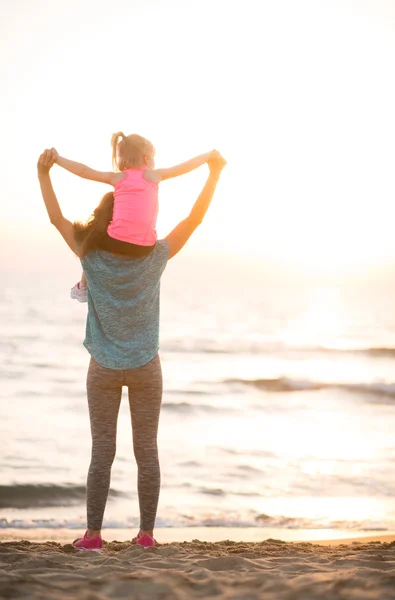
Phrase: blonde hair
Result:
[129,151]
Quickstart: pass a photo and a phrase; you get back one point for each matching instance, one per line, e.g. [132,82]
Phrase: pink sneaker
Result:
[145,540]
[79,292]
[95,544]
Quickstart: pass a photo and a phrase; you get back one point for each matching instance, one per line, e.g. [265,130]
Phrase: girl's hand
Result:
[45,162]
[217,163]
[55,154]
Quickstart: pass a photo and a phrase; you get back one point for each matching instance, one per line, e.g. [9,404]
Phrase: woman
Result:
[122,337]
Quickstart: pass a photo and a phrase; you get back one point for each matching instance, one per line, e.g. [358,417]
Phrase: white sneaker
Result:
[79,292]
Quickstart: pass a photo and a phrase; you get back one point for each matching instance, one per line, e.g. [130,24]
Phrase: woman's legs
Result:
[104,387]
[145,397]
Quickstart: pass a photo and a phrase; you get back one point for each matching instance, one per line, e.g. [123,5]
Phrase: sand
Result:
[269,570]
[209,534]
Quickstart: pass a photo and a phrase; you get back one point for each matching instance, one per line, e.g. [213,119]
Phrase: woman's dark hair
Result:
[89,234]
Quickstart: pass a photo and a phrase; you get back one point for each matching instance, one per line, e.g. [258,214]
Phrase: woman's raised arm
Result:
[181,234]
[63,225]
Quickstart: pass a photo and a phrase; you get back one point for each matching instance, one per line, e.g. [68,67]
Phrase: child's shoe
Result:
[145,540]
[94,544]
[79,292]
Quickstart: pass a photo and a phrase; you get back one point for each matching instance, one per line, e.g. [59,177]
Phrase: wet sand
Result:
[209,534]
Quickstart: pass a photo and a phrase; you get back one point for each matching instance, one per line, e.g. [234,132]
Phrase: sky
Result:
[299,96]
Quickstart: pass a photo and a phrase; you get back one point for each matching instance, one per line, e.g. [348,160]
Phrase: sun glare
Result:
[322,323]
[307,130]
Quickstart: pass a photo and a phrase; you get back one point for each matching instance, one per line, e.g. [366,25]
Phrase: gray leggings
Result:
[104,388]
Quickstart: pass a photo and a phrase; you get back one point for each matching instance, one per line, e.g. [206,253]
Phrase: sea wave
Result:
[186,407]
[390,352]
[197,346]
[285,384]
[379,351]
[262,521]
[43,495]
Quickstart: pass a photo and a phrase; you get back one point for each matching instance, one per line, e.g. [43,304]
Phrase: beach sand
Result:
[270,570]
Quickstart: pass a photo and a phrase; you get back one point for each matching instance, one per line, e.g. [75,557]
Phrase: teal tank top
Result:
[122,327]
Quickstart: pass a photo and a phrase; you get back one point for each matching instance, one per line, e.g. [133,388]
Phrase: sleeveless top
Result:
[135,209]
[122,327]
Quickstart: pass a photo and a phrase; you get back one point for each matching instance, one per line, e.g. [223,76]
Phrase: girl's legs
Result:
[104,387]
[126,248]
[145,397]
[83,279]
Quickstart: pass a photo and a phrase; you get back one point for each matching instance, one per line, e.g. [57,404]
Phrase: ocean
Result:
[278,407]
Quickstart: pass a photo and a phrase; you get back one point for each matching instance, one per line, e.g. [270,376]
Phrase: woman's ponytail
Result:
[89,235]
[116,138]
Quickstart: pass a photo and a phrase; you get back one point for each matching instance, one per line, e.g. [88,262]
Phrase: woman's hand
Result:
[213,154]
[46,161]
[217,163]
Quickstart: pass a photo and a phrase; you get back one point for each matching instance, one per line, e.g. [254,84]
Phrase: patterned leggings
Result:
[104,388]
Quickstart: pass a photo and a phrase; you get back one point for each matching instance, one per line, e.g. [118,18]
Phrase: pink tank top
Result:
[135,209]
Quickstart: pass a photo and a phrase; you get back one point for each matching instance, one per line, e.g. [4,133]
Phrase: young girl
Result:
[132,231]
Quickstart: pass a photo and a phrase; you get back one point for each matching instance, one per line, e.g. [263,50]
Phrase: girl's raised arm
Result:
[158,175]
[86,172]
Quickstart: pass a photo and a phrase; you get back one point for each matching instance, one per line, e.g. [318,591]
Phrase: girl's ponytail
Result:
[115,140]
